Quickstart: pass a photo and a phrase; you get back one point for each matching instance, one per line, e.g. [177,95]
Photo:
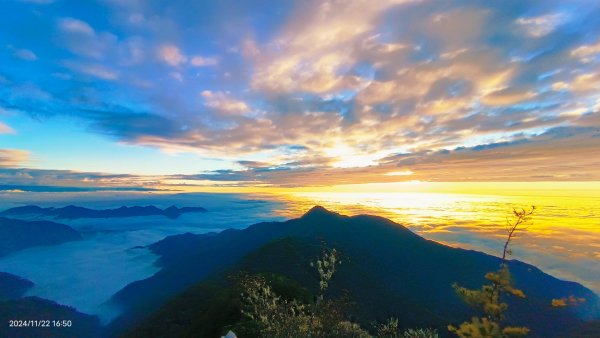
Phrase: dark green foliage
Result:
[211,308]
[420,333]
[278,317]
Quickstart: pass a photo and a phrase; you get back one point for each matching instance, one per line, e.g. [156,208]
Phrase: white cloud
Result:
[80,38]
[95,70]
[200,61]
[541,25]
[23,54]
[100,71]
[72,25]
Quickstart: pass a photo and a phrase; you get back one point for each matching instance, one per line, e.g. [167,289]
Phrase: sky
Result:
[247,94]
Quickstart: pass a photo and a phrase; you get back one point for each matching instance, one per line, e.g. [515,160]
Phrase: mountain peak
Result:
[319,211]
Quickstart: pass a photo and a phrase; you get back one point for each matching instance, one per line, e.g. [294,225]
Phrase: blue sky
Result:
[294,93]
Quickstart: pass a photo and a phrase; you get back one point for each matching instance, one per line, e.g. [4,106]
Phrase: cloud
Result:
[81,39]
[332,87]
[75,26]
[95,70]
[171,55]
[23,54]
[13,157]
[563,154]
[540,26]
[585,51]
[224,102]
[18,178]
[6,129]
[507,96]
[200,61]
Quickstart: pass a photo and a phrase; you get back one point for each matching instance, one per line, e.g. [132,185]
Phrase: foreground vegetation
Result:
[274,316]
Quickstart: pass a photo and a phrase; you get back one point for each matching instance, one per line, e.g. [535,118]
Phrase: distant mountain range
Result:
[387,270]
[18,234]
[75,212]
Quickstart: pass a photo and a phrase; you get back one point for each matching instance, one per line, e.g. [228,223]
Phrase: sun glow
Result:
[399,173]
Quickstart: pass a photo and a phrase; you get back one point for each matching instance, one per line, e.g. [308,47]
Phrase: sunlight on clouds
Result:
[585,52]
[13,158]
[317,43]
[399,173]
[507,96]
[575,112]
[344,156]
[223,101]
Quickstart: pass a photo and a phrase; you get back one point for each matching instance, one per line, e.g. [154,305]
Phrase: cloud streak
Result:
[13,157]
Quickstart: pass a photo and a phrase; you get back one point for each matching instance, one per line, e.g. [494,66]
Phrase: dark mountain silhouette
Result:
[34,308]
[17,234]
[388,270]
[75,212]
[12,286]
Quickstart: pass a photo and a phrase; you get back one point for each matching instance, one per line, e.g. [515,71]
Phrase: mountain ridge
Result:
[18,234]
[413,269]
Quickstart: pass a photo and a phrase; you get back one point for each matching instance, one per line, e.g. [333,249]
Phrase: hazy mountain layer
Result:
[17,234]
[75,212]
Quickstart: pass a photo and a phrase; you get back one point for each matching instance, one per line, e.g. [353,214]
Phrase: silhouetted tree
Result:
[489,299]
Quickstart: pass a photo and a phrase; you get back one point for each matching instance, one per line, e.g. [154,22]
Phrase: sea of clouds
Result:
[85,274]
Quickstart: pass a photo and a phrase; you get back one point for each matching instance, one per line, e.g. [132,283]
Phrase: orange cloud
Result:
[13,158]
